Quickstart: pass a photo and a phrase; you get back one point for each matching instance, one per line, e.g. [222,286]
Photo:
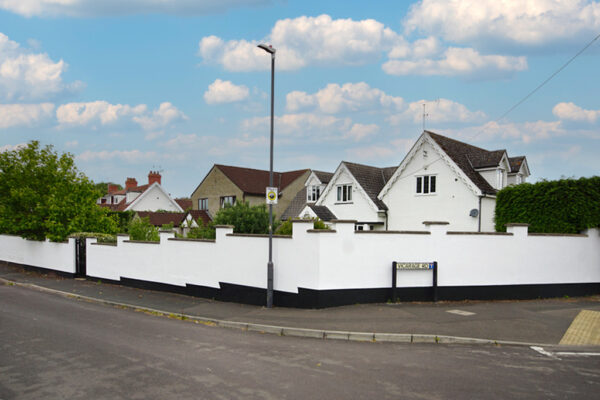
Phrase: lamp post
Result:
[270,50]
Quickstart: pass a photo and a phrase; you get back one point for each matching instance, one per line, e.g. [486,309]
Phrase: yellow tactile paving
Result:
[584,330]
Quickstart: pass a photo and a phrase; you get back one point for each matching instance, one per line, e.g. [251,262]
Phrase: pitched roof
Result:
[324,177]
[515,163]
[322,212]
[468,158]
[185,204]
[254,181]
[371,179]
[296,205]
[200,214]
[163,218]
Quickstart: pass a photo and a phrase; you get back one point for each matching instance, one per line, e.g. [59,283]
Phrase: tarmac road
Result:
[54,347]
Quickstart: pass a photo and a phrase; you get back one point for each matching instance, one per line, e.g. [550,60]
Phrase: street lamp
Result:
[270,50]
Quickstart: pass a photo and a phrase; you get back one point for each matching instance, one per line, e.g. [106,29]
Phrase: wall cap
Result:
[141,241]
[396,232]
[321,231]
[259,235]
[343,221]
[193,240]
[558,234]
[225,226]
[516,224]
[480,233]
[436,223]
[303,220]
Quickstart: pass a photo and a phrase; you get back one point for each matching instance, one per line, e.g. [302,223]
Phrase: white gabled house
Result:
[443,179]
[352,194]
[149,197]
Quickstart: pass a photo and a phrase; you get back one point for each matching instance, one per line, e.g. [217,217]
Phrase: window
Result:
[203,204]
[426,184]
[499,179]
[227,200]
[313,193]
[344,193]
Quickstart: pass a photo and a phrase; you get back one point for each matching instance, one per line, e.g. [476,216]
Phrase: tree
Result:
[43,195]
[141,229]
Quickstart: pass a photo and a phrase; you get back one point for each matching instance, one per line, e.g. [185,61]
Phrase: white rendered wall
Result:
[359,208]
[338,259]
[49,255]
[452,201]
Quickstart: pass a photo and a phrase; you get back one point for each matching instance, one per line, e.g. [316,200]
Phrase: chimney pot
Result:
[154,176]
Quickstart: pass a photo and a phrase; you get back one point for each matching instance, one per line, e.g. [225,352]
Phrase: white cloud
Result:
[526,132]
[24,114]
[30,76]
[10,147]
[441,111]
[360,131]
[572,112]
[393,151]
[349,97]
[456,61]
[103,113]
[527,22]
[131,156]
[329,42]
[166,114]
[302,41]
[225,92]
[95,112]
[93,8]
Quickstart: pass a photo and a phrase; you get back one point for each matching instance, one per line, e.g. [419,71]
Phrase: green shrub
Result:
[204,231]
[285,228]
[141,229]
[562,206]
[245,218]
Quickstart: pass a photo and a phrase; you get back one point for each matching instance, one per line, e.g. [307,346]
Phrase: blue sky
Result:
[139,85]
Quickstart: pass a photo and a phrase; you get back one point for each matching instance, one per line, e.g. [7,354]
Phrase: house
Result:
[351,193]
[442,179]
[184,203]
[313,187]
[149,197]
[225,184]
[182,221]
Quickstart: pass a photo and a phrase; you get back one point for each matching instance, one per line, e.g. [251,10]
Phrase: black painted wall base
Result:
[310,298]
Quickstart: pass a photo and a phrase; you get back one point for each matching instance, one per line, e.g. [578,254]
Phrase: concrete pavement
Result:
[542,321]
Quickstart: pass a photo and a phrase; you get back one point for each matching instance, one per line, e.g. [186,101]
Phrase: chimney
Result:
[130,183]
[112,188]
[153,176]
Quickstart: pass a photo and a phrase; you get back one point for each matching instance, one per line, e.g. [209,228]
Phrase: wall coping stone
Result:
[436,223]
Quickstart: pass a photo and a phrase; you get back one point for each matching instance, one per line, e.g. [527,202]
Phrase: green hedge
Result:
[563,206]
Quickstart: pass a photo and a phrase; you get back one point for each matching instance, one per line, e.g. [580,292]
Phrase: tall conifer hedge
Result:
[563,206]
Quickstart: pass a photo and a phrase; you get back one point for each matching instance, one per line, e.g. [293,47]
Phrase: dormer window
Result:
[499,178]
[313,193]
[344,193]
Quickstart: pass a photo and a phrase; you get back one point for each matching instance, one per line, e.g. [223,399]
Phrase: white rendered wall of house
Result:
[358,209]
[131,196]
[154,199]
[488,209]
[491,176]
[452,201]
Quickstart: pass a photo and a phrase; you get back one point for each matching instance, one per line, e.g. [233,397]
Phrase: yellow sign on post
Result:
[271,195]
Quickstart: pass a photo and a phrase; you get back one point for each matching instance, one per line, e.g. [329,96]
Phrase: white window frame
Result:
[225,200]
[313,193]
[205,201]
[423,185]
[344,193]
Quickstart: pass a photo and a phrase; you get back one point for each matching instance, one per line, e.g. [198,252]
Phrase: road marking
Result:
[555,354]
[584,330]
[461,312]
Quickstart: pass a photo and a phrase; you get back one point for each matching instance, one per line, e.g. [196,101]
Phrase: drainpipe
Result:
[479,215]
[386,220]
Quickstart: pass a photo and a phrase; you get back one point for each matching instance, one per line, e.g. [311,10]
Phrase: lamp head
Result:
[268,48]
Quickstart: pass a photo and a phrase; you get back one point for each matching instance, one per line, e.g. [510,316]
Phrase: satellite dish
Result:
[474,212]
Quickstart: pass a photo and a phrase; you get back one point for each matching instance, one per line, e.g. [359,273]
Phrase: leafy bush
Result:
[204,231]
[563,206]
[43,195]
[122,218]
[286,227]
[245,218]
[141,229]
